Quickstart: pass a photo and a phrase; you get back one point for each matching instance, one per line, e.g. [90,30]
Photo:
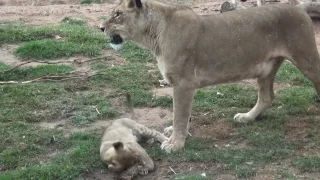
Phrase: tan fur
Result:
[127,132]
[195,51]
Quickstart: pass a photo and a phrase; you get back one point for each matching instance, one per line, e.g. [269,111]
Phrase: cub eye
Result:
[117,14]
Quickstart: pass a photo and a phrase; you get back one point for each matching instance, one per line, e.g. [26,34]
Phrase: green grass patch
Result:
[74,40]
[307,164]
[245,171]
[189,177]
[12,33]
[290,74]
[51,49]
[285,175]
[134,78]
[224,101]
[26,73]
[51,101]
[202,150]
[74,21]
[3,66]
[296,99]
[91,1]
[81,154]
[22,142]
[133,53]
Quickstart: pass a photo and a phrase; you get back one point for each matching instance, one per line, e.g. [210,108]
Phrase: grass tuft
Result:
[81,154]
[74,21]
[51,49]
[307,164]
[74,40]
[133,53]
[26,73]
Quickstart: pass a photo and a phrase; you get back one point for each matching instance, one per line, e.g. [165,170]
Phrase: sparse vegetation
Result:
[308,164]
[38,153]
[50,42]
[91,1]
[74,21]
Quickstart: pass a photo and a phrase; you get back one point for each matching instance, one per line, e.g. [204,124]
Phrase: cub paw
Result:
[163,83]
[168,131]
[143,171]
[172,145]
[243,118]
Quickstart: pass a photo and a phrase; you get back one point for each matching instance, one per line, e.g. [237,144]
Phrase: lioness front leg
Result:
[182,99]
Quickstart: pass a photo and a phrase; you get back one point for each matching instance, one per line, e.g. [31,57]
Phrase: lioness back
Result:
[255,35]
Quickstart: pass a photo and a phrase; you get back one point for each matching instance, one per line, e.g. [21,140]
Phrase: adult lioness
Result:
[195,51]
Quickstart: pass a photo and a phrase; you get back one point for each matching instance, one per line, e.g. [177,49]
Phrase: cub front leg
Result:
[144,161]
[182,99]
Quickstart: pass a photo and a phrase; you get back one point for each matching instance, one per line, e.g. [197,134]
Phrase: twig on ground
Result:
[44,78]
[53,62]
[56,78]
[97,110]
[172,170]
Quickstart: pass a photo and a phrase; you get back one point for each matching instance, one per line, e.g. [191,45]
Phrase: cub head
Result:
[118,158]
[126,23]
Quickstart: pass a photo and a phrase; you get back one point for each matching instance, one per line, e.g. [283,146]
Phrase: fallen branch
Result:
[53,62]
[45,78]
[64,77]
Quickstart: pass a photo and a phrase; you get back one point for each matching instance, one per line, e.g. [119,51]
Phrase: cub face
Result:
[118,158]
[125,23]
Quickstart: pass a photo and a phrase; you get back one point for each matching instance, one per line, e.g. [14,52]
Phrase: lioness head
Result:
[118,158]
[126,22]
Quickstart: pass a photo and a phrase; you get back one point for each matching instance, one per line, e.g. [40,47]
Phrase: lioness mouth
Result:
[116,39]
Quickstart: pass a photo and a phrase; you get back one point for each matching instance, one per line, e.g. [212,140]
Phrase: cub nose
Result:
[102,29]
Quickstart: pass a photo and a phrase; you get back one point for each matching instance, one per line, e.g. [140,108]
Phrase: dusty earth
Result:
[50,12]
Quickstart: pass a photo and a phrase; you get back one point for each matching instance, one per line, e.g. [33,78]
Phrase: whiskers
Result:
[116,47]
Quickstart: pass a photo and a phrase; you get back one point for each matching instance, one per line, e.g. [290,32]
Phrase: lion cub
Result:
[120,149]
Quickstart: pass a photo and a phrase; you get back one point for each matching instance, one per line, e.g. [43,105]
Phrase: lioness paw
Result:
[243,118]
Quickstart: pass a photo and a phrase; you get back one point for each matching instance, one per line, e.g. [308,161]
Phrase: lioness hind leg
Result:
[311,69]
[266,94]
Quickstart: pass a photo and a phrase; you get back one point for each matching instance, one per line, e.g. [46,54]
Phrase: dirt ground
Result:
[50,12]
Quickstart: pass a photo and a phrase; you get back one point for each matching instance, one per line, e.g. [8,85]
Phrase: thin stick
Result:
[172,170]
[97,110]
[53,62]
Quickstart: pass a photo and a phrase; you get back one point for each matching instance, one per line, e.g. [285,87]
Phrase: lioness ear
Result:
[118,146]
[133,3]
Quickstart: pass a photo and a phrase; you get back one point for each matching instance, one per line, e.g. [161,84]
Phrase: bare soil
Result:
[50,12]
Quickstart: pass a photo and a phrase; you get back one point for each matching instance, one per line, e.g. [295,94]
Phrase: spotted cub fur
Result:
[120,149]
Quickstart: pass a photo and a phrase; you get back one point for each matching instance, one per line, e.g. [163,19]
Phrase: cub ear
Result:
[118,146]
[133,4]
